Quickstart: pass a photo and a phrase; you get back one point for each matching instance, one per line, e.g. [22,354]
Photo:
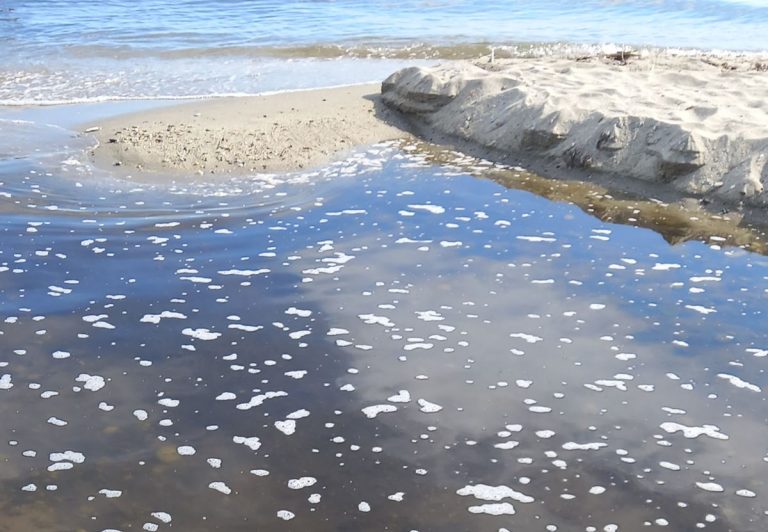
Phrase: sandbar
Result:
[273,133]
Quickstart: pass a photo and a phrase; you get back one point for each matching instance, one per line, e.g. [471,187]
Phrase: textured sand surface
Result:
[696,124]
[230,136]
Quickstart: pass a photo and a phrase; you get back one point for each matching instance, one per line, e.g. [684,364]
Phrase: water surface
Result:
[56,51]
[368,344]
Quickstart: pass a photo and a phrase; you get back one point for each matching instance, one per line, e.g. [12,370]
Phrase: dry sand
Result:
[698,125]
[260,134]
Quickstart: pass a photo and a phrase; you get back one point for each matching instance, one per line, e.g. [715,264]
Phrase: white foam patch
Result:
[711,431]
[704,279]
[418,345]
[530,338]
[663,267]
[70,456]
[670,466]
[226,396]
[253,443]
[166,314]
[301,483]
[293,311]
[201,334]
[573,446]
[736,381]
[258,400]
[502,508]
[245,273]
[91,382]
[299,334]
[429,315]
[610,383]
[186,450]
[427,407]
[484,492]
[432,209]
[535,238]
[60,466]
[246,328]
[374,410]
[372,319]
[403,396]
[163,517]
[287,427]
[220,487]
[700,309]
[710,486]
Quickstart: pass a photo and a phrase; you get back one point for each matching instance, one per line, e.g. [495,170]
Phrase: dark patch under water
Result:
[384,335]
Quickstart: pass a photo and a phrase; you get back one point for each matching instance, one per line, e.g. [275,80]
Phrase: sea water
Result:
[397,340]
[57,51]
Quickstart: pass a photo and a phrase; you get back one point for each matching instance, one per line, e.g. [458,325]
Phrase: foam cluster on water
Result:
[315,347]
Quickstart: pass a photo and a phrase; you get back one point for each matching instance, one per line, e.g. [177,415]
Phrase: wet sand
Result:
[238,136]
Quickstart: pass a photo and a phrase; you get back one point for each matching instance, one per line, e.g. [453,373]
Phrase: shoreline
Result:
[275,132]
[519,111]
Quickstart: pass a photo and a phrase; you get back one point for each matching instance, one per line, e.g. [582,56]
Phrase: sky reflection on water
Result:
[514,342]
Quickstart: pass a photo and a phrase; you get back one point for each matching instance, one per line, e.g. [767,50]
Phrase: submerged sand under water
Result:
[382,340]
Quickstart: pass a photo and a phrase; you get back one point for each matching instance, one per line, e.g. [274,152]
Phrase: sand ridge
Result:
[244,135]
[697,124]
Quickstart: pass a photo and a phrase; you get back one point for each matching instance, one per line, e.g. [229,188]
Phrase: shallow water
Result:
[56,51]
[329,343]
[154,25]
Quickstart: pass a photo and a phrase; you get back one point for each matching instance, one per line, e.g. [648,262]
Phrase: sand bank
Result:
[230,136]
[698,125]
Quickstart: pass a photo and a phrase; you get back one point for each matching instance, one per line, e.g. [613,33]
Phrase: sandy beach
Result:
[236,136]
[697,125]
